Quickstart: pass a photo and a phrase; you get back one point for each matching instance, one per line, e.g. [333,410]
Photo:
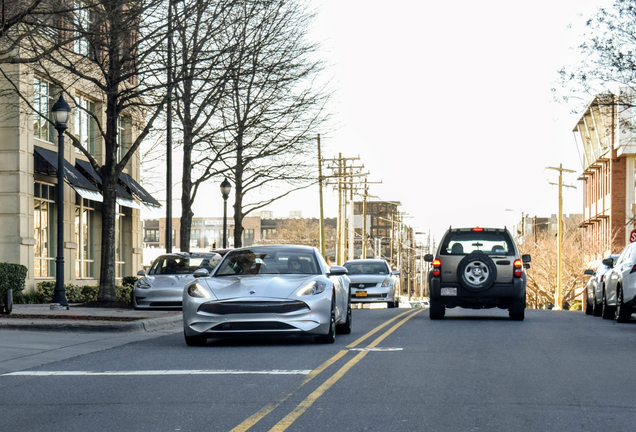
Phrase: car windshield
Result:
[268,261]
[172,265]
[367,268]
[466,242]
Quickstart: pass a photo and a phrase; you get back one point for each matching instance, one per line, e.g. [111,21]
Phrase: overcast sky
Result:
[449,105]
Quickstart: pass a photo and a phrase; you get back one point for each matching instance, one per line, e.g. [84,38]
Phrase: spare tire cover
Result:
[476,272]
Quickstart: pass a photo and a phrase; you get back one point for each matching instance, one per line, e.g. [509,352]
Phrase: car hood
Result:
[169,281]
[369,278]
[232,287]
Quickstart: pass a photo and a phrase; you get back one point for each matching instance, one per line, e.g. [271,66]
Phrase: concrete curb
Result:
[147,325]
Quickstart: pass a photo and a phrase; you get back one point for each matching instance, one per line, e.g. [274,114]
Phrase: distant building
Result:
[205,233]
[382,225]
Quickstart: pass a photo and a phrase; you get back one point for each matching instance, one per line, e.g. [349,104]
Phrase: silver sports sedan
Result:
[372,281]
[162,287]
[268,289]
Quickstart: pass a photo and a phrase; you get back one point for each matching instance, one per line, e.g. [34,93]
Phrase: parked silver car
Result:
[162,286]
[372,281]
[268,289]
[620,291]
[595,288]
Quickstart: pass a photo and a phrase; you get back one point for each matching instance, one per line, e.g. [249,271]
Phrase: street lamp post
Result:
[226,187]
[60,112]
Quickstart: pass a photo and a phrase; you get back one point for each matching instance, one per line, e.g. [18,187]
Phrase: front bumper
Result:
[157,298]
[214,318]
[373,295]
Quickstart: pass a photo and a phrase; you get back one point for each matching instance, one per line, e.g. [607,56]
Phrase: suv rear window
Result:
[488,242]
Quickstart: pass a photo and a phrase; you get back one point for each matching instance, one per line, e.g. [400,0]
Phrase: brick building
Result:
[607,146]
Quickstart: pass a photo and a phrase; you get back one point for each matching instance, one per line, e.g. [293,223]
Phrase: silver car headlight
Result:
[143,283]
[312,288]
[196,290]
[386,283]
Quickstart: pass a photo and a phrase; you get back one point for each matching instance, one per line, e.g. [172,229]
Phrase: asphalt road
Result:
[398,371]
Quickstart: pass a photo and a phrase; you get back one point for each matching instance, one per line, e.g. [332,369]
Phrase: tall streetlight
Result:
[226,188]
[61,111]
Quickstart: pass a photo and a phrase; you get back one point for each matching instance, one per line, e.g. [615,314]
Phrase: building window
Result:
[195,236]
[120,244]
[84,237]
[44,216]
[85,124]
[248,237]
[83,21]
[151,236]
[122,143]
[43,100]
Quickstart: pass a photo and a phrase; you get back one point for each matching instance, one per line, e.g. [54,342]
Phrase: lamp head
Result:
[226,188]
[61,111]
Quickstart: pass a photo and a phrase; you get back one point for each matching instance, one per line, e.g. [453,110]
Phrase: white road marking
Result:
[376,349]
[157,372]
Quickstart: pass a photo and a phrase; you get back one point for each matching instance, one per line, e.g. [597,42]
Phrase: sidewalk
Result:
[84,319]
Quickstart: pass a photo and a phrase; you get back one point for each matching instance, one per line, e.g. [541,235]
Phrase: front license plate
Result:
[361,294]
[449,291]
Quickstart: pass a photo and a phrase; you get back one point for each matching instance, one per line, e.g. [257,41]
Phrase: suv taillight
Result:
[518,268]
[437,267]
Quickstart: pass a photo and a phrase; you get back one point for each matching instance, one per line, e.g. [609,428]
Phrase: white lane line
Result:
[157,372]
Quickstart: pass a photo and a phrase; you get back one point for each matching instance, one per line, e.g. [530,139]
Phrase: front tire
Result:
[330,337]
[589,306]
[623,313]
[346,327]
[436,310]
[608,311]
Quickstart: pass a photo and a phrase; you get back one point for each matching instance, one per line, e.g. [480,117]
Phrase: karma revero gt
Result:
[268,289]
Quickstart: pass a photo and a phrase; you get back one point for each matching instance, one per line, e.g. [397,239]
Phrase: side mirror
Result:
[526,258]
[526,266]
[428,258]
[395,272]
[609,262]
[141,273]
[201,272]
[338,271]
[589,272]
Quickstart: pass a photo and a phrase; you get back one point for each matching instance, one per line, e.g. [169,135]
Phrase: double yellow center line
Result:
[289,419]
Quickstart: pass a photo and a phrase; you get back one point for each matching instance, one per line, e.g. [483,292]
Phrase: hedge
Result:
[12,276]
[74,293]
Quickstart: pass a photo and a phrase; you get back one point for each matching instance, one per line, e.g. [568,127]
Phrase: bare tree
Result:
[204,49]
[542,276]
[274,107]
[110,50]
[607,64]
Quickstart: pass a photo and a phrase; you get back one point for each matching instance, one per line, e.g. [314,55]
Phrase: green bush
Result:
[123,293]
[74,293]
[12,276]
[129,280]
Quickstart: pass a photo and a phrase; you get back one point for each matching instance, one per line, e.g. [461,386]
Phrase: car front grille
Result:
[253,326]
[166,304]
[363,285]
[253,307]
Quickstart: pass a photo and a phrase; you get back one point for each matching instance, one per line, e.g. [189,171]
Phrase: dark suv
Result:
[478,268]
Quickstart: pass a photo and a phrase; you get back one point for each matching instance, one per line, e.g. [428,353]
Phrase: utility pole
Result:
[323,247]
[558,294]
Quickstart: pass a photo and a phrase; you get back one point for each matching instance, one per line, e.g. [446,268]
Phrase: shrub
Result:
[123,293]
[129,280]
[12,276]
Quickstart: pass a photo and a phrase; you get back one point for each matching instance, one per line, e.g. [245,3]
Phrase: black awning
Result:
[137,190]
[87,168]
[48,159]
